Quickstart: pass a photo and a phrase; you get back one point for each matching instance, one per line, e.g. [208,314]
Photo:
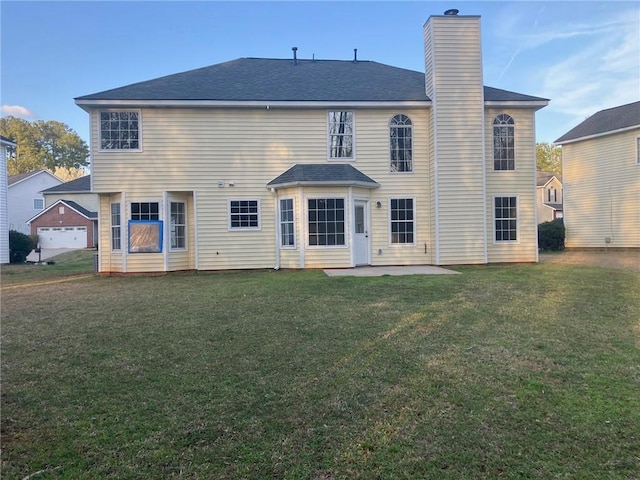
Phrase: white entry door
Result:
[361,233]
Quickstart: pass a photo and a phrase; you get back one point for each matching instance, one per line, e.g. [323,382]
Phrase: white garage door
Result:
[62,237]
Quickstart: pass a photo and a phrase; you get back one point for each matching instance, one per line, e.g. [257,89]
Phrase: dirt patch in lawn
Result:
[626,259]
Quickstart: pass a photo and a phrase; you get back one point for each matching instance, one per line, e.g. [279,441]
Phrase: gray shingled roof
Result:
[604,121]
[544,177]
[323,174]
[82,184]
[81,209]
[263,79]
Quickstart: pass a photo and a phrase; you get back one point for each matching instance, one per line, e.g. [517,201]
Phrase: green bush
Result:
[551,235]
[20,245]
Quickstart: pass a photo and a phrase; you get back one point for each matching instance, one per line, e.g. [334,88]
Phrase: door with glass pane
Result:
[361,233]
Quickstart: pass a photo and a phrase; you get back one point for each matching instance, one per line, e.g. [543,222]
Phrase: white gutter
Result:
[276,217]
[596,135]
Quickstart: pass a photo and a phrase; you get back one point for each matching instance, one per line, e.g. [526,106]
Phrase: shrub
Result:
[551,235]
[20,245]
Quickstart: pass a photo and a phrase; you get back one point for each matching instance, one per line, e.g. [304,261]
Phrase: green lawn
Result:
[528,371]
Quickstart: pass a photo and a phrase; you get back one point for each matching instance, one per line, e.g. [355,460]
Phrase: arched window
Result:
[504,157]
[400,144]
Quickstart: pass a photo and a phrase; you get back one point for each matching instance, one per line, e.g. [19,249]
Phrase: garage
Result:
[62,237]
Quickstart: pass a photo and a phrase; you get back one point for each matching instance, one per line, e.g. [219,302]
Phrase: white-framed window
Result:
[402,221]
[38,204]
[401,144]
[120,130]
[552,195]
[244,214]
[287,225]
[116,232]
[638,150]
[326,222]
[178,225]
[341,144]
[504,152]
[505,219]
[145,211]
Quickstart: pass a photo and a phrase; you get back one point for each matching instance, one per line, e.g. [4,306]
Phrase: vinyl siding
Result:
[601,186]
[244,149]
[520,183]
[86,200]
[454,78]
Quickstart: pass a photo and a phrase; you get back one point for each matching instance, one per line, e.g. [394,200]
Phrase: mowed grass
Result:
[528,371]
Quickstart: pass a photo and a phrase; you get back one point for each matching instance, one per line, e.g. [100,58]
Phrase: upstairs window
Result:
[38,204]
[120,130]
[400,144]
[503,143]
[341,135]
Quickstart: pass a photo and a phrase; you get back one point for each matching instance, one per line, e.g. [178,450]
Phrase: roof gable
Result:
[605,121]
[21,177]
[543,178]
[71,204]
[280,80]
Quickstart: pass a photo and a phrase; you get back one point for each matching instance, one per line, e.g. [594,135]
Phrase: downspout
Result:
[166,227]
[124,226]
[276,217]
[195,230]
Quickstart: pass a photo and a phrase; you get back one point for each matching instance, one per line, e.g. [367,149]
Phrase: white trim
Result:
[31,176]
[167,236]
[119,150]
[195,230]
[346,220]
[493,219]
[390,244]
[389,145]
[352,158]
[244,229]
[537,104]
[121,104]
[279,222]
[596,135]
[334,183]
[177,199]
[276,204]
[124,230]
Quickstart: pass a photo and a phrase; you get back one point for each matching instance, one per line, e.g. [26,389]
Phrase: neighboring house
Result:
[5,144]
[601,173]
[25,197]
[549,196]
[291,163]
[70,217]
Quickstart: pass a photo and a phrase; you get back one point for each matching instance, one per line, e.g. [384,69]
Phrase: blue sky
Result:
[583,55]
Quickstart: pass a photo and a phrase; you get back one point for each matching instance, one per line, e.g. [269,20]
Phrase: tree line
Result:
[43,144]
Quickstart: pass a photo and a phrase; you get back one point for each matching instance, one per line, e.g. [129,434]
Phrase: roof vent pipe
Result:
[295,57]
[355,54]
[452,12]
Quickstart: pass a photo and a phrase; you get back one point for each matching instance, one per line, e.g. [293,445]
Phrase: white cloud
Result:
[583,64]
[17,111]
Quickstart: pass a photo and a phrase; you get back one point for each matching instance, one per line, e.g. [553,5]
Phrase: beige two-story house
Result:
[549,196]
[307,163]
[601,173]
